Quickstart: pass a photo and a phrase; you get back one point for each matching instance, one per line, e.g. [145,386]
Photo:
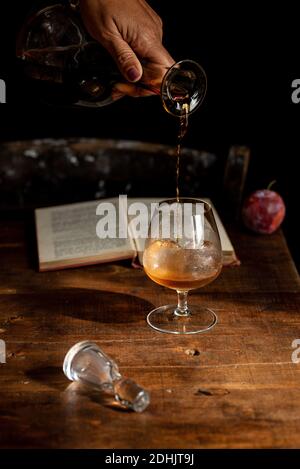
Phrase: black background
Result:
[97,458]
[251,56]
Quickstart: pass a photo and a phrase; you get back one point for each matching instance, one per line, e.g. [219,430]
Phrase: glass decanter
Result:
[73,69]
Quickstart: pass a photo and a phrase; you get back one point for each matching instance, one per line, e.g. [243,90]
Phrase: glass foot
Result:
[199,320]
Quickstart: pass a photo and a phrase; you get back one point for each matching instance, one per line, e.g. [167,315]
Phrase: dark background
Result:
[251,57]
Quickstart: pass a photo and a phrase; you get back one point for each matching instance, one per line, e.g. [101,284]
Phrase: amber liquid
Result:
[172,266]
[184,284]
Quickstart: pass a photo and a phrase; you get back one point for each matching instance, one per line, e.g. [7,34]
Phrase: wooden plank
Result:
[195,408]
[240,389]
[48,316]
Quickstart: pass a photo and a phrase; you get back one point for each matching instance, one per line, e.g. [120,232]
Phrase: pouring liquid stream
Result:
[183,127]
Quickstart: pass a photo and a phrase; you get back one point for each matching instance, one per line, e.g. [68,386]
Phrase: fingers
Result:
[127,61]
[154,68]
[160,56]
[156,65]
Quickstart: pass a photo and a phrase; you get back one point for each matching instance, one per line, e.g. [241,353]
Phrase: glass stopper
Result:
[86,362]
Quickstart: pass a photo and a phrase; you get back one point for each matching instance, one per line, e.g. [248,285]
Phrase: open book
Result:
[66,235]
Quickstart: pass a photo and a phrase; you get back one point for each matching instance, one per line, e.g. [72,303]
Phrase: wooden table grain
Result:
[241,390]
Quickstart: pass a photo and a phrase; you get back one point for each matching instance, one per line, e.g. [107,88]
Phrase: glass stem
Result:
[182,306]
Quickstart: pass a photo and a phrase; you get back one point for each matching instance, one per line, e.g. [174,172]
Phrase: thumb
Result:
[126,59]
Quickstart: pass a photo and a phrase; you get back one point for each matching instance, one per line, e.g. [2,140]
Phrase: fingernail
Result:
[133,74]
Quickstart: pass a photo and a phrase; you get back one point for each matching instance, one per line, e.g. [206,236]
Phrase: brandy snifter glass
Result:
[182,252]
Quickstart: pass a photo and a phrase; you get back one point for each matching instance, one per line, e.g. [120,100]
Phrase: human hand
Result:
[131,31]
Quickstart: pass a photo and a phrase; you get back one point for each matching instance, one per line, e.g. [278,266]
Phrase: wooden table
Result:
[240,390]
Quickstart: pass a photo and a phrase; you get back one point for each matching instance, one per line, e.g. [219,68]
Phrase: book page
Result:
[229,256]
[67,236]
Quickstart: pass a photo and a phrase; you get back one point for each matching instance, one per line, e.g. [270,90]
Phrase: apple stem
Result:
[271,184]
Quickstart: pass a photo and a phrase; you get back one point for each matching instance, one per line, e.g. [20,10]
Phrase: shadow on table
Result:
[71,312]
[103,306]
[51,376]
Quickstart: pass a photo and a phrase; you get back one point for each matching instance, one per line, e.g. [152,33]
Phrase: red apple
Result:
[263,211]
